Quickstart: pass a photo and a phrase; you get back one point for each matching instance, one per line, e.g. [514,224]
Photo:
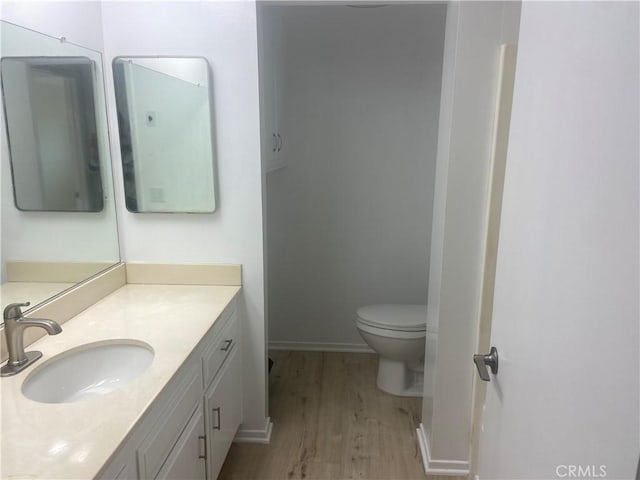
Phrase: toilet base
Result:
[396,378]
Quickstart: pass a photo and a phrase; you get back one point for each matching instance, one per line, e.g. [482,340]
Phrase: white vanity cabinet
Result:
[187,431]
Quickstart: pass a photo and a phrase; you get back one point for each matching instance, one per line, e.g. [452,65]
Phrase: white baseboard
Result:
[438,467]
[262,435]
[321,347]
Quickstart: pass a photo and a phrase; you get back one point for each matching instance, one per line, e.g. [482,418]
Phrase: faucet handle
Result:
[12,311]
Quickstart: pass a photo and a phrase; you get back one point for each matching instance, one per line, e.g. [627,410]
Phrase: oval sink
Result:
[88,371]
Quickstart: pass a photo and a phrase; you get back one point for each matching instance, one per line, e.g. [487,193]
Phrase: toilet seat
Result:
[396,318]
[388,333]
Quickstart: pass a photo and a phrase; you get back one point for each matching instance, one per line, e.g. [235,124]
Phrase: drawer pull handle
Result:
[216,411]
[204,445]
[227,346]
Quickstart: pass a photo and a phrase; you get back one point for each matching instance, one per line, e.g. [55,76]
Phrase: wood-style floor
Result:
[332,423]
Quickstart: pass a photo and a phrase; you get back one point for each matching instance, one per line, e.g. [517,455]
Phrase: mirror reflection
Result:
[51,124]
[43,253]
[164,119]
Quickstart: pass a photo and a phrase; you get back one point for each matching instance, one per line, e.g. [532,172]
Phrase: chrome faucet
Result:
[14,327]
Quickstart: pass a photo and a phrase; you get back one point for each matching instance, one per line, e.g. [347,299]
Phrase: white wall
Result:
[474,33]
[48,236]
[78,21]
[224,33]
[349,218]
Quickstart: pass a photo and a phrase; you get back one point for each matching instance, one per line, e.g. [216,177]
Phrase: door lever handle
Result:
[484,361]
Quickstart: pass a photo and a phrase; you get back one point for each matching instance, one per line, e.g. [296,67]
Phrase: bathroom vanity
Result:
[177,419]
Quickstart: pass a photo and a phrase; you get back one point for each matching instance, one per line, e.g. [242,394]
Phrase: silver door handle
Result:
[227,346]
[274,143]
[484,361]
[279,142]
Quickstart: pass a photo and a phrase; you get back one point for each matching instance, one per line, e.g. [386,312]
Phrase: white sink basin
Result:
[88,371]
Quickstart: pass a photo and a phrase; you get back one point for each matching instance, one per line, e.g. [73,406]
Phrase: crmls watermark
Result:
[581,471]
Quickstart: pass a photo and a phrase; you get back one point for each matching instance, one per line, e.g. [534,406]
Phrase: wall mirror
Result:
[166,136]
[58,214]
[50,117]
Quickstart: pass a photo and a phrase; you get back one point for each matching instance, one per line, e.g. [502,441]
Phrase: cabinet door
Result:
[117,470]
[187,459]
[223,412]
[271,43]
[162,437]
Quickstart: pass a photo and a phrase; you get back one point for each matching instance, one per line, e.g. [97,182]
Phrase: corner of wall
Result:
[434,466]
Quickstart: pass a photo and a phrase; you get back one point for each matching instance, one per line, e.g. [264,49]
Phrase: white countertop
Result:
[74,440]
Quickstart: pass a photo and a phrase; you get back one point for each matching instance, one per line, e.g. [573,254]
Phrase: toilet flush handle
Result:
[484,361]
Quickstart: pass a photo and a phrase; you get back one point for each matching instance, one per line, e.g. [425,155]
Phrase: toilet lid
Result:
[395,317]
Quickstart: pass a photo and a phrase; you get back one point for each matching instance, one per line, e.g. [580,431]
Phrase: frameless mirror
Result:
[50,117]
[59,223]
[166,142]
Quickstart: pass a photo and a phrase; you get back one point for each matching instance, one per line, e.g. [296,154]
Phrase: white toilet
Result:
[397,333]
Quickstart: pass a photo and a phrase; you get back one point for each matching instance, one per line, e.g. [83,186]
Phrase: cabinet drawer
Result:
[214,356]
[158,443]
